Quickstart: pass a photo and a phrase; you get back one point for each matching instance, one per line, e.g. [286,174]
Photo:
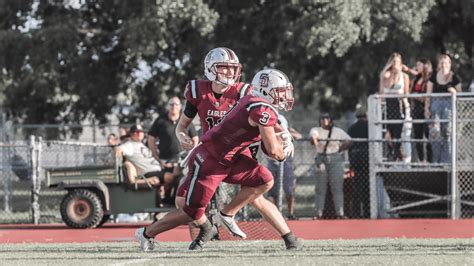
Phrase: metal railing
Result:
[452,149]
[376,183]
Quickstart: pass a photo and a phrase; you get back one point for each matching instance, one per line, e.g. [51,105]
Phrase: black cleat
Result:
[292,242]
[206,233]
[196,245]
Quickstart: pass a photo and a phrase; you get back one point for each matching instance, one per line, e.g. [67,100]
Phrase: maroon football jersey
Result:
[234,133]
[211,110]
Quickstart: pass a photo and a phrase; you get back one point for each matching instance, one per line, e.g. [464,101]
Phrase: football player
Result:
[210,100]
[253,118]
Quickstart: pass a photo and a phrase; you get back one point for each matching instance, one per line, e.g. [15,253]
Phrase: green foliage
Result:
[82,62]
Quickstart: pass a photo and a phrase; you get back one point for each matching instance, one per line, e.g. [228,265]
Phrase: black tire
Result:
[105,218]
[82,208]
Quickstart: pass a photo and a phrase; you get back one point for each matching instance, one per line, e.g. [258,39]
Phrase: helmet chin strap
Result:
[230,82]
[223,84]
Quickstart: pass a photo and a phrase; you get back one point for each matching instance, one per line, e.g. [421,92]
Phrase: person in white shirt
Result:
[140,161]
[330,143]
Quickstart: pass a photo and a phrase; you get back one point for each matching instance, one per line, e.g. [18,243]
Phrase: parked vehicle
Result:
[96,192]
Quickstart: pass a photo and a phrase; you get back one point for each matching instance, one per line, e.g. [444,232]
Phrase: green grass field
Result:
[324,252]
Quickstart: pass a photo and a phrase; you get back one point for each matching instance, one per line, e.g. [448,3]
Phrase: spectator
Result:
[394,82]
[289,178]
[440,107]
[422,75]
[359,160]
[167,152]
[330,143]
[124,135]
[112,140]
[140,162]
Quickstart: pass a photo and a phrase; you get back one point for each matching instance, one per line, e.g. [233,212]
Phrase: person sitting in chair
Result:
[139,161]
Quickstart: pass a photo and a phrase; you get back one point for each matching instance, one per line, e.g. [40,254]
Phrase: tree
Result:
[74,63]
[332,50]
[64,63]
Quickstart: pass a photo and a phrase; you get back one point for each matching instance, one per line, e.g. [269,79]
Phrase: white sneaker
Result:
[229,223]
[146,244]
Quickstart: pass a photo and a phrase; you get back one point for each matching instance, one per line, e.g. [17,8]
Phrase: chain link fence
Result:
[464,150]
[385,176]
[420,161]
[15,185]
[24,195]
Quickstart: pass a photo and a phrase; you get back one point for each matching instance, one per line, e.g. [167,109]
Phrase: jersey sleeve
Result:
[245,89]
[433,79]
[191,93]
[313,132]
[155,128]
[343,134]
[127,148]
[456,80]
[263,114]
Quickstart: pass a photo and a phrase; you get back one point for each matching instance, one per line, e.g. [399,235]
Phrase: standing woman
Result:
[440,107]
[422,75]
[394,81]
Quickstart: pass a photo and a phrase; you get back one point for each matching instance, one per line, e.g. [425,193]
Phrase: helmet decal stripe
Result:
[229,54]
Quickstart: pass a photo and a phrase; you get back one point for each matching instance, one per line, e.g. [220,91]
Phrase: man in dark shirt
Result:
[359,160]
[163,132]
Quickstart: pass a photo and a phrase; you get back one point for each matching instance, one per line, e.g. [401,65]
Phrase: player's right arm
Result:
[266,121]
[181,132]
[273,147]
[190,111]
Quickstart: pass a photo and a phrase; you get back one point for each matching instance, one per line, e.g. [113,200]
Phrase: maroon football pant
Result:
[206,173]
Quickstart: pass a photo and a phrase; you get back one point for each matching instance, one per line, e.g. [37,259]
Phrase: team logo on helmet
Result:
[264,80]
[274,86]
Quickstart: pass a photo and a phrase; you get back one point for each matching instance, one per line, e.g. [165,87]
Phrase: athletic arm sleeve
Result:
[192,98]
[190,110]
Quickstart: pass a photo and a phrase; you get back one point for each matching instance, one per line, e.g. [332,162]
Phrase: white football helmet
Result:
[274,86]
[222,57]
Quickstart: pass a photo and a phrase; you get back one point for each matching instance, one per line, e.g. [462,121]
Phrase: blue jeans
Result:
[289,178]
[441,148]
[334,175]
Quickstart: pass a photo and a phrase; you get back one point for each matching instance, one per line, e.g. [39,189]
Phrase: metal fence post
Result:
[455,199]
[34,181]
[6,167]
[373,114]
[6,180]
[280,183]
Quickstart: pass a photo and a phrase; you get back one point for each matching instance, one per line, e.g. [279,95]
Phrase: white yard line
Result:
[135,261]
